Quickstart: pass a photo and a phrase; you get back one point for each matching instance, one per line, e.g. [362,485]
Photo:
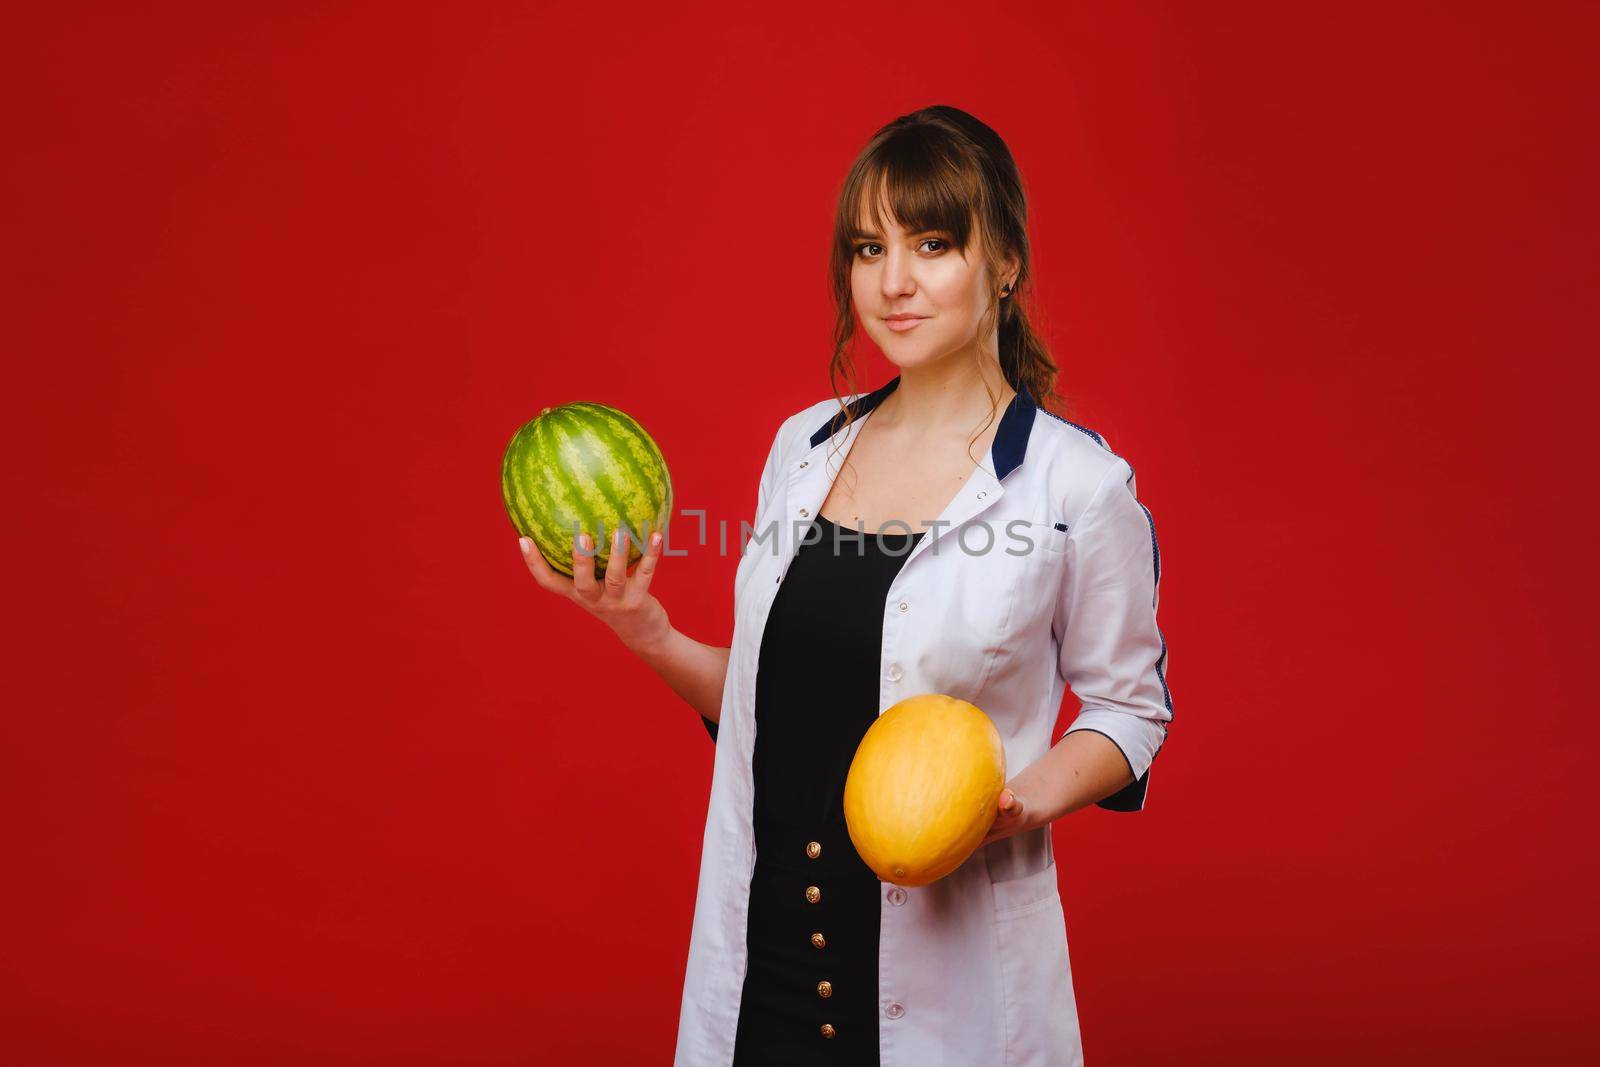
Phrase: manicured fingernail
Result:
[526,544]
[655,538]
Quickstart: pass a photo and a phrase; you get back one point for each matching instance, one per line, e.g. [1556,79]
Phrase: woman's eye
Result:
[862,248]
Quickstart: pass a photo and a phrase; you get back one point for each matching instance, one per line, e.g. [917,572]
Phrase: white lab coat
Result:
[973,969]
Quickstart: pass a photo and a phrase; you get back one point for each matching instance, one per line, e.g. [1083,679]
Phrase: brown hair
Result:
[939,168]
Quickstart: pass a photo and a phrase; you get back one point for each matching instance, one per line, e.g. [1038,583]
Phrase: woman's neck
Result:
[944,398]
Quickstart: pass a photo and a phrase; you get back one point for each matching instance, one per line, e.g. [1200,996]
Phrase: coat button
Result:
[897,896]
[824,989]
[982,495]
[813,894]
[813,849]
[804,513]
[804,462]
[827,1030]
[818,940]
[894,1011]
[894,673]
[904,606]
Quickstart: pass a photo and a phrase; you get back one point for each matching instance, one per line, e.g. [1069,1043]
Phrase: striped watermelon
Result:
[585,466]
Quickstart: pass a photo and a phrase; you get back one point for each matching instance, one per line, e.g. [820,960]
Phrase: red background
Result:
[300,765]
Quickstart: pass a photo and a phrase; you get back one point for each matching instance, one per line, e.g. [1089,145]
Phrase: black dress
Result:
[811,990]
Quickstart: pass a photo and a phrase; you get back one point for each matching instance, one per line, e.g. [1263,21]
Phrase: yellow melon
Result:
[923,788]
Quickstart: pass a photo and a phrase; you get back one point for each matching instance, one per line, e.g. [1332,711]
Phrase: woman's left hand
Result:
[1013,817]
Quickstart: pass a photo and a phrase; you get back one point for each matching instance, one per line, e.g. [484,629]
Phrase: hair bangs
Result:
[920,191]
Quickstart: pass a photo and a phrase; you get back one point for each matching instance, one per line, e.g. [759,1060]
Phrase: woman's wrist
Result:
[653,645]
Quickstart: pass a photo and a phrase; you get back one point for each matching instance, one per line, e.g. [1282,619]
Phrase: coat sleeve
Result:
[1112,653]
[769,477]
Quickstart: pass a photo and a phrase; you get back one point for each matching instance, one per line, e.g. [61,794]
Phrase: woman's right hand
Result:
[621,601]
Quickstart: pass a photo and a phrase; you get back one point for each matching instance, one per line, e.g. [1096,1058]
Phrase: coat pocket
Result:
[1027,893]
[1041,1010]
[1051,536]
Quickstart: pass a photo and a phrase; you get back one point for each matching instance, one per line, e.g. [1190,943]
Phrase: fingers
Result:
[616,582]
[617,588]
[543,573]
[583,557]
[1009,818]
[639,586]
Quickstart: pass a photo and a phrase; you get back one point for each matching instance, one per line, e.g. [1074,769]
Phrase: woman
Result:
[1023,563]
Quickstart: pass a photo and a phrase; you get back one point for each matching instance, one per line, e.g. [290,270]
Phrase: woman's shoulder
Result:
[1064,434]
[1073,460]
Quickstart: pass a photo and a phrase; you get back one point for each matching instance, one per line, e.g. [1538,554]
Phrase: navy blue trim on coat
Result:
[857,407]
[1010,439]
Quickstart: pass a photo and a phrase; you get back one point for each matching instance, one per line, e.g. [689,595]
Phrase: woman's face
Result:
[918,274]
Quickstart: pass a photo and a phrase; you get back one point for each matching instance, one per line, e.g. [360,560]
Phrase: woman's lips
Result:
[902,325]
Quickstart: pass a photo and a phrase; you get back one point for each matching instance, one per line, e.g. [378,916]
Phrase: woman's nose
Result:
[897,278]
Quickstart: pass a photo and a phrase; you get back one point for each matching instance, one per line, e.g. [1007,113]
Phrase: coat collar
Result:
[1010,439]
